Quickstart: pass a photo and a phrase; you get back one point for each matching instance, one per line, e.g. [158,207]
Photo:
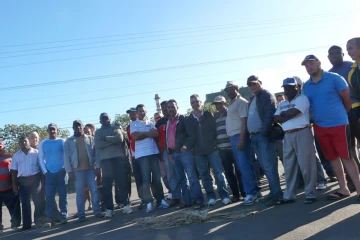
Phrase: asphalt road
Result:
[322,220]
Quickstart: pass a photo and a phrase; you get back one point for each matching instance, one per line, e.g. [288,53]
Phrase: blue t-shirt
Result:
[51,155]
[326,104]
[343,70]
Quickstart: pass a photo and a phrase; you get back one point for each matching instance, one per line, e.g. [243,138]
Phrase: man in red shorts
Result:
[329,98]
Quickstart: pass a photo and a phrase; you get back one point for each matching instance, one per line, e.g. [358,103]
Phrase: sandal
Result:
[337,196]
[310,200]
[283,201]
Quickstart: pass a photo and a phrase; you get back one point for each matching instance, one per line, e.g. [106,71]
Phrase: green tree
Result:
[11,133]
[122,120]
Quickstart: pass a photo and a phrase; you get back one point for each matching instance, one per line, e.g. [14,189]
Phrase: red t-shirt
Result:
[161,127]
[132,142]
[5,174]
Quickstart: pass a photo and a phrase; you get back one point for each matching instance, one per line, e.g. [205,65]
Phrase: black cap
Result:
[309,58]
[104,115]
[78,122]
[253,78]
[52,125]
[131,110]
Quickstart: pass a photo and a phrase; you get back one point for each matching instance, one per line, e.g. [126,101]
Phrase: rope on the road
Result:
[181,218]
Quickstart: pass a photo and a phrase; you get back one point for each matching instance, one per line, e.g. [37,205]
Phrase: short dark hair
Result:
[194,96]
[335,47]
[91,126]
[23,138]
[139,106]
[253,78]
[163,103]
[172,101]
[357,41]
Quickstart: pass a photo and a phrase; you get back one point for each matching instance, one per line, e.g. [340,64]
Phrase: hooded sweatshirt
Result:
[111,148]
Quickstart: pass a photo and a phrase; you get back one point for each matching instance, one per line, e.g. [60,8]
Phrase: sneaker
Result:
[212,202]
[321,186]
[127,209]
[163,204]
[333,179]
[47,225]
[252,199]
[149,207]
[169,196]
[63,221]
[141,205]
[109,213]
[23,229]
[226,201]
[82,219]
[174,202]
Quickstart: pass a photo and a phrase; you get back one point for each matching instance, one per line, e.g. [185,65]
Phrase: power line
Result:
[154,70]
[159,31]
[128,43]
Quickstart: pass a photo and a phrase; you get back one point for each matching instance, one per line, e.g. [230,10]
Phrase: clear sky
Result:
[136,49]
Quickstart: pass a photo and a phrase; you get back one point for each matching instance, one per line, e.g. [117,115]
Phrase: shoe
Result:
[75,216]
[163,204]
[127,209]
[183,205]
[25,229]
[272,202]
[141,206]
[99,215]
[119,206]
[169,196]
[58,220]
[63,221]
[15,229]
[82,219]
[39,225]
[226,201]
[174,202]
[236,199]
[211,202]
[321,186]
[109,213]
[90,208]
[47,225]
[251,199]
[149,207]
[199,205]
[333,179]
[310,200]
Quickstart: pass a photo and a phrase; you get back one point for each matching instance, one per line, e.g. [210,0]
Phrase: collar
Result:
[297,95]
[202,113]
[323,77]
[237,97]
[355,65]
[176,118]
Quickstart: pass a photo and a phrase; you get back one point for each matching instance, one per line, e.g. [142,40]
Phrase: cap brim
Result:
[288,85]
[303,62]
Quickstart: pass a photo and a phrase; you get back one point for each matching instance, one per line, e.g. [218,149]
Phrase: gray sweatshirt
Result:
[111,148]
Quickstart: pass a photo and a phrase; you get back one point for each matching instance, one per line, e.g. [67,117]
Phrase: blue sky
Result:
[267,38]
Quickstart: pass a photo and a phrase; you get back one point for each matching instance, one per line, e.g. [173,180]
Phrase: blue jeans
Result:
[30,188]
[232,172]
[243,162]
[82,178]
[56,181]
[202,164]
[171,176]
[266,154]
[184,163]
[113,169]
[150,171]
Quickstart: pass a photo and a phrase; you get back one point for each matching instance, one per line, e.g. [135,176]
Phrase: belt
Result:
[295,130]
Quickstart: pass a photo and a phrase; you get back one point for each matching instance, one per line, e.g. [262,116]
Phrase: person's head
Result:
[220,103]
[89,129]
[280,98]
[312,65]
[132,114]
[299,83]
[336,55]
[232,90]
[195,102]
[254,84]
[164,111]
[34,139]
[141,111]
[290,87]
[105,120]
[24,143]
[78,128]
[157,117]
[2,148]
[52,130]
[353,48]
[172,108]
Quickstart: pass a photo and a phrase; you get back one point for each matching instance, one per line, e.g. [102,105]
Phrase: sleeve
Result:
[41,158]
[278,110]
[190,139]
[117,138]
[302,104]
[133,128]
[100,144]
[269,110]
[67,159]
[243,109]
[14,162]
[340,83]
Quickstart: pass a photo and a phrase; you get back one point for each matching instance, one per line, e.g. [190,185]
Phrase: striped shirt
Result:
[146,146]
[5,174]
[26,164]
[222,139]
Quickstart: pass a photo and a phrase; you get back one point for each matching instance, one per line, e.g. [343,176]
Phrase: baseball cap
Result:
[309,58]
[131,110]
[104,115]
[253,78]
[289,82]
[298,80]
[52,125]
[219,99]
[78,122]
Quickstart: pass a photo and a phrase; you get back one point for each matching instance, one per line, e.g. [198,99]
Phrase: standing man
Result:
[206,153]
[34,140]
[147,153]
[7,195]
[51,161]
[299,150]
[262,108]
[232,172]
[236,129]
[26,179]
[328,94]
[180,137]
[79,164]
[108,141]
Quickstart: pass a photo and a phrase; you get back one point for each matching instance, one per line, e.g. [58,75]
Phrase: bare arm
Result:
[243,129]
[153,133]
[344,94]
[287,115]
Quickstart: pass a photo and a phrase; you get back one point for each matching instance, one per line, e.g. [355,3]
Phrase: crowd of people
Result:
[311,127]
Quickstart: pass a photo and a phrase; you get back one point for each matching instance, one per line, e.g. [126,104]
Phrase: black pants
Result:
[12,203]
[354,116]
[127,180]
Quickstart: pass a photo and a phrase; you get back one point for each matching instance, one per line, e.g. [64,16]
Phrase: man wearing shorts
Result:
[328,94]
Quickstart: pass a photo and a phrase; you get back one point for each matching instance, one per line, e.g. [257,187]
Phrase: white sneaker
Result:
[212,202]
[226,201]
[109,213]
[321,186]
[127,209]
[164,204]
[169,196]
[149,207]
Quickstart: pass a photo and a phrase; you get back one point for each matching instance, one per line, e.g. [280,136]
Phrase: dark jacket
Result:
[205,130]
[266,105]
[185,134]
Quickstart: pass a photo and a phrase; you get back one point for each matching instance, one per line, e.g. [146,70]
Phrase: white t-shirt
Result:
[300,102]
[146,146]
[26,165]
